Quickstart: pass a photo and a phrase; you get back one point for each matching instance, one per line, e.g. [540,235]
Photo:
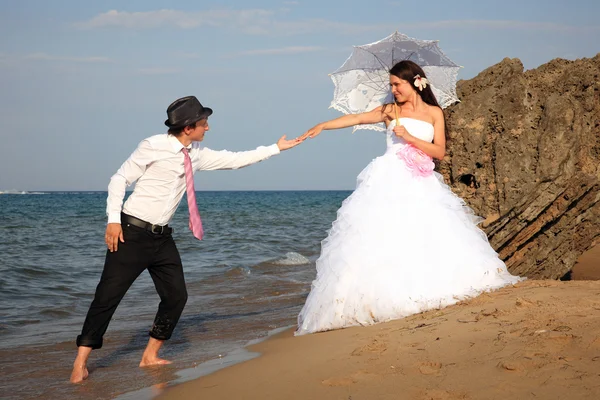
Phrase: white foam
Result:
[292,258]
[14,191]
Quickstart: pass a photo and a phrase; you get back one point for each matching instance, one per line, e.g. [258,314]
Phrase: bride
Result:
[402,242]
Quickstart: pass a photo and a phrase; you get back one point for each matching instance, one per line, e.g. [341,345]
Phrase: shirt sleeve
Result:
[129,172]
[207,159]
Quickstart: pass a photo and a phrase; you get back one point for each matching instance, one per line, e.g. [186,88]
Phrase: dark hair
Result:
[407,70]
[177,131]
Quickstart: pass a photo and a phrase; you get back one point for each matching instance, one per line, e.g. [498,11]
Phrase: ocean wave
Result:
[292,258]
[238,271]
[13,191]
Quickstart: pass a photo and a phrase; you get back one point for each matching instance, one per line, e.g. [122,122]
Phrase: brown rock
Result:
[525,155]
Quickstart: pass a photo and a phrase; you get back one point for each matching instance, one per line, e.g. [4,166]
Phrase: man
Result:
[138,236]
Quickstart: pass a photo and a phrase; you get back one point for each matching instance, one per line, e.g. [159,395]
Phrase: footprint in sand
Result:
[529,361]
[510,365]
[489,312]
[553,339]
[536,283]
[338,382]
[430,368]
[476,301]
[524,302]
[376,346]
[358,376]
[438,394]
[595,343]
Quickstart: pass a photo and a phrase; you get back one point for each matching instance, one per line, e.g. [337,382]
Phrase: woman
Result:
[403,242]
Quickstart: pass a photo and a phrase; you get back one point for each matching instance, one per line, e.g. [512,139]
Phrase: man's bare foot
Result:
[79,374]
[80,371]
[150,356]
[152,361]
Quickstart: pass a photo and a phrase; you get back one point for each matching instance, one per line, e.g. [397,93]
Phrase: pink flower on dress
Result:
[416,160]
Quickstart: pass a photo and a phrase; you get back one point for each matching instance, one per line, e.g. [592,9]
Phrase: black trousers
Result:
[141,250]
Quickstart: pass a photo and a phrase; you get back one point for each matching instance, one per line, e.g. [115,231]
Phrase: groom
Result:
[138,236]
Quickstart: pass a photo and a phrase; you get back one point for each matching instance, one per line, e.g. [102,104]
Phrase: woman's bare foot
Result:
[150,361]
[79,374]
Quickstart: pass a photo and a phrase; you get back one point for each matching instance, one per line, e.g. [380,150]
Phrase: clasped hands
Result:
[399,130]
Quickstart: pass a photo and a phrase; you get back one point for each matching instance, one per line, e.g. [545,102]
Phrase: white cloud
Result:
[323,25]
[49,57]
[282,50]
[253,20]
[159,71]
[506,24]
[261,21]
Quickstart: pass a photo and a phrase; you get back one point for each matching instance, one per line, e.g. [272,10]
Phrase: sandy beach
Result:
[587,266]
[536,340]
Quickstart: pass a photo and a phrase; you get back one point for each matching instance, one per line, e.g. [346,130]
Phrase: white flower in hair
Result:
[421,83]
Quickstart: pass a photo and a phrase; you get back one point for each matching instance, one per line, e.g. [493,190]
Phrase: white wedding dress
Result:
[401,244]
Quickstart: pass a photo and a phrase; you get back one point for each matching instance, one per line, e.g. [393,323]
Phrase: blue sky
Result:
[83,82]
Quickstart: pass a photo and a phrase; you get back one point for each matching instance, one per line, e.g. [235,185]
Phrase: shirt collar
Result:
[176,144]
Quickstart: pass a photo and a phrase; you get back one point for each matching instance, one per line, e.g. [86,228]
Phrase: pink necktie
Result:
[195,221]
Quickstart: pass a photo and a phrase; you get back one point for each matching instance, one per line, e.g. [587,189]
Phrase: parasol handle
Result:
[396,112]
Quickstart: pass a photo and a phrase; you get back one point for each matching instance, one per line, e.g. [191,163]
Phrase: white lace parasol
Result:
[362,83]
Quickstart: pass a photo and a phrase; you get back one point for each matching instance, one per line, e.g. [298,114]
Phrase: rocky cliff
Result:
[524,153]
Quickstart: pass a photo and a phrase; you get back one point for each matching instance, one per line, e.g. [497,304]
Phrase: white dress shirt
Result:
[157,165]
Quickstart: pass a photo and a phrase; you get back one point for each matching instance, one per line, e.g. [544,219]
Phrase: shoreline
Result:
[233,357]
[537,338]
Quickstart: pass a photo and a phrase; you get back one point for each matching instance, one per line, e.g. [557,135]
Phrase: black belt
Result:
[156,229]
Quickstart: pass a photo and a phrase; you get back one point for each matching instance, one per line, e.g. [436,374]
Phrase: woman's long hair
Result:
[408,70]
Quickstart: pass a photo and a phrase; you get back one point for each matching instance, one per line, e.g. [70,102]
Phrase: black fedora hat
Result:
[185,111]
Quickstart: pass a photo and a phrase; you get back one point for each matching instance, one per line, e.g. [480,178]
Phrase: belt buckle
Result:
[160,232]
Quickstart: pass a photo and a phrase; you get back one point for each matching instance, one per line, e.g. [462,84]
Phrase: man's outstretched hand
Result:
[285,144]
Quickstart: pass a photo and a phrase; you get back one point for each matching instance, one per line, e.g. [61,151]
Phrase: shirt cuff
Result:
[114,218]
[274,149]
